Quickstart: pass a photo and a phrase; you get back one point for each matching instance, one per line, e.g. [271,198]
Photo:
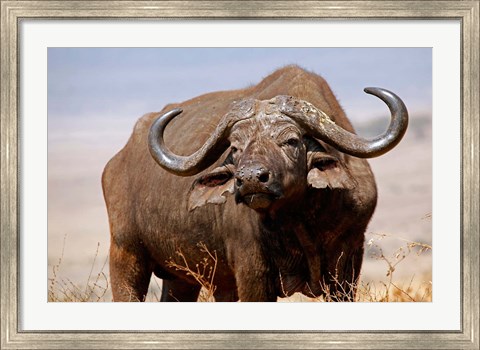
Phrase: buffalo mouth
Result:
[257,201]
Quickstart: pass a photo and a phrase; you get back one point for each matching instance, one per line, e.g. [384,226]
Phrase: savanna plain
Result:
[397,263]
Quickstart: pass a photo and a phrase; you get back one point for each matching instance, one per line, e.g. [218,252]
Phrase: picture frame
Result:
[13,12]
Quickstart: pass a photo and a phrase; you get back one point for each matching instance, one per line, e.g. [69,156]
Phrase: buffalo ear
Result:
[211,187]
[326,171]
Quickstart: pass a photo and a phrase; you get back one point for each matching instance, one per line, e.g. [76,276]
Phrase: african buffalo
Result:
[271,178]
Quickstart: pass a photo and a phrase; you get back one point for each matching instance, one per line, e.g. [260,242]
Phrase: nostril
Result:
[263,177]
[239,182]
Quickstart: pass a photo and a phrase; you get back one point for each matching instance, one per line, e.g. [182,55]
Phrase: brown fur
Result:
[299,244]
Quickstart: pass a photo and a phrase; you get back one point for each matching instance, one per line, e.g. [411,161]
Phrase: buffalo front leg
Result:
[341,283]
[130,273]
[255,279]
[256,286]
[226,296]
[179,290]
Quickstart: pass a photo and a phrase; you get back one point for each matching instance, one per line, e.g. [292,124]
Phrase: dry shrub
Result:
[391,290]
[203,273]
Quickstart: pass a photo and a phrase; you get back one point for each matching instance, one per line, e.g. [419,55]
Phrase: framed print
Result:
[77,78]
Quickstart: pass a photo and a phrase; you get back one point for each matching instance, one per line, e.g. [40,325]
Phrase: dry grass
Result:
[389,289]
[395,290]
[203,273]
[62,289]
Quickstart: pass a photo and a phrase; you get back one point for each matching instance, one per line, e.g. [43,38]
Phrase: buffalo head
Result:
[275,151]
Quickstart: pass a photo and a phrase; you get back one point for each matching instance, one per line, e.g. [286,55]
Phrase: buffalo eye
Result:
[234,154]
[293,142]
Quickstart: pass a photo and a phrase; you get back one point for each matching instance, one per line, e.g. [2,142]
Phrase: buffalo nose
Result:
[252,174]
[239,182]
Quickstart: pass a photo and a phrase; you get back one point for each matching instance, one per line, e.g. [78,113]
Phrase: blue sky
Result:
[86,85]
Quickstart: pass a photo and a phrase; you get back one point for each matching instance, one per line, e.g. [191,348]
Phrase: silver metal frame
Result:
[466,11]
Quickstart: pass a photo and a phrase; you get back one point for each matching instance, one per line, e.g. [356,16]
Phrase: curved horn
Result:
[323,128]
[211,150]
